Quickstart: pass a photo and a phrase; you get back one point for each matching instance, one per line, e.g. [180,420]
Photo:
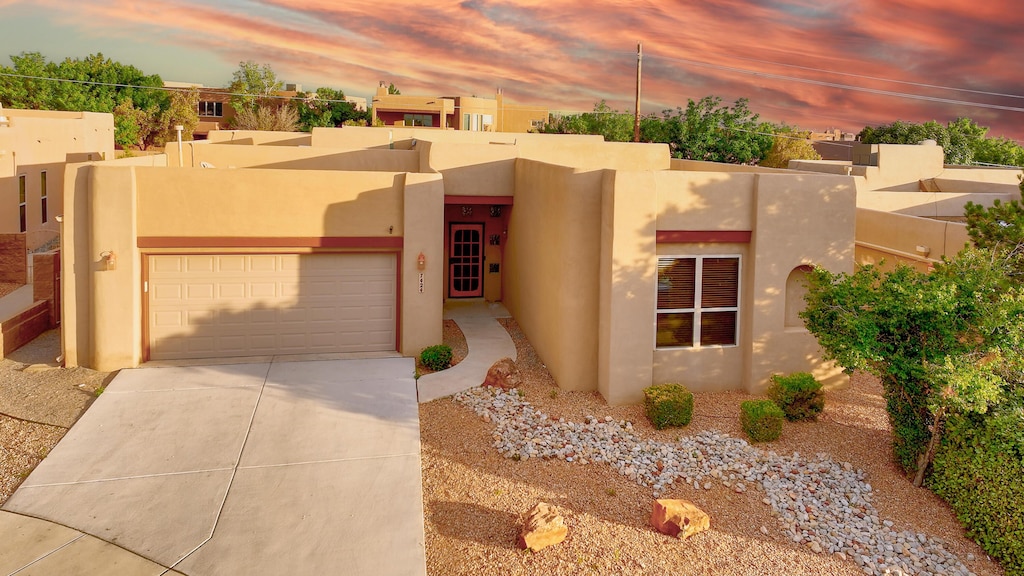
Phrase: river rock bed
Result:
[819,503]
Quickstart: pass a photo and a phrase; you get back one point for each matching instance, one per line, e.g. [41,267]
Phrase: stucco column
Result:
[628,273]
[115,319]
[423,234]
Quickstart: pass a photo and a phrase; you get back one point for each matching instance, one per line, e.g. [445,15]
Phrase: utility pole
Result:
[636,119]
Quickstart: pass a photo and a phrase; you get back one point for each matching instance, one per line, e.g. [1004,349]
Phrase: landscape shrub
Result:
[978,470]
[799,395]
[668,405]
[437,357]
[761,420]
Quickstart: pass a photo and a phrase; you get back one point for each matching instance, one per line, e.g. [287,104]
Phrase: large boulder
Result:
[543,527]
[678,518]
[503,374]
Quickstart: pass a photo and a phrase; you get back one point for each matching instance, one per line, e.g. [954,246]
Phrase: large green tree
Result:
[711,131]
[613,125]
[327,108]
[789,144]
[90,84]
[943,343]
[962,140]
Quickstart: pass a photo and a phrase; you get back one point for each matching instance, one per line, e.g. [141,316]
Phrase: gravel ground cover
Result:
[764,520]
[38,403]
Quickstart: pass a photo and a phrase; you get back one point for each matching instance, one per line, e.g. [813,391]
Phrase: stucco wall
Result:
[551,267]
[805,220]
[895,238]
[793,219]
[293,158]
[256,137]
[594,154]
[115,205]
[38,141]
[473,169]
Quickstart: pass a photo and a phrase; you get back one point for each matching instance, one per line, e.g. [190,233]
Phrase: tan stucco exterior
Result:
[38,142]
[574,229]
[908,202]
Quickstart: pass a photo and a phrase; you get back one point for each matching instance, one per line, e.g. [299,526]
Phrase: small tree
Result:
[942,343]
[787,145]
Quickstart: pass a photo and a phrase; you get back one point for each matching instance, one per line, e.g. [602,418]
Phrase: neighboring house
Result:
[623,267]
[910,205]
[35,146]
[215,109]
[468,113]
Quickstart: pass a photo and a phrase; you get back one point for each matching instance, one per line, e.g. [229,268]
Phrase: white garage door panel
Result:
[205,306]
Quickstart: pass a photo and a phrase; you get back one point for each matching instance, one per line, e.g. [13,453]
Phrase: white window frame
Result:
[697,310]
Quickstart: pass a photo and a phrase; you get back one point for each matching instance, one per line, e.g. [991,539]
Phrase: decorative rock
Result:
[543,527]
[502,374]
[678,518]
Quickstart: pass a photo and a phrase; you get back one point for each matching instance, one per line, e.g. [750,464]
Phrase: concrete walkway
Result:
[488,342]
[267,468]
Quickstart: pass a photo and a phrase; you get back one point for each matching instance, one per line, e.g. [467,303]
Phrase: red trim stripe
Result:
[270,242]
[703,236]
[493,200]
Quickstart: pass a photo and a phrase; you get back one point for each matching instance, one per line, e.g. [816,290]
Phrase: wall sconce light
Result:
[923,250]
[421,262]
[109,260]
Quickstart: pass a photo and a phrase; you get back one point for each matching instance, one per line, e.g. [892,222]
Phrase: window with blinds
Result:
[698,301]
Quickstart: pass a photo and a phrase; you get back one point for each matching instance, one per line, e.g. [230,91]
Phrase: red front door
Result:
[466,261]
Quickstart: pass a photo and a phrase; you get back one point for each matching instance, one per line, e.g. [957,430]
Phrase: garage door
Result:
[223,305]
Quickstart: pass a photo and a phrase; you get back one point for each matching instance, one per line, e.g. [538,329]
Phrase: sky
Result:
[816,64]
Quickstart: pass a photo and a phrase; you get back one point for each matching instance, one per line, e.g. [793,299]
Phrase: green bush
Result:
[762,420]
[978,470]
[437,357]
[799,395]
[668,405]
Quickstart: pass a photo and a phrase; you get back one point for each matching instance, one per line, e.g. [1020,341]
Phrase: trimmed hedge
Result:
[668,405]
[761,420]
[799,395]
[979,469]
[437,357]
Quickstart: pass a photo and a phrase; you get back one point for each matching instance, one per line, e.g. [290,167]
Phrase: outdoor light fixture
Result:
[421,262]
[109,260]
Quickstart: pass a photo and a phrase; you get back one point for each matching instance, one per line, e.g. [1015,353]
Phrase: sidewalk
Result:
[488,342]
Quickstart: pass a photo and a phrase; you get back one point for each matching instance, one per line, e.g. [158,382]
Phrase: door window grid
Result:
[22,206]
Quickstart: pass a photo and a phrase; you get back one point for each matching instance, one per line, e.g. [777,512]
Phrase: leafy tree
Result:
[960,139]
[943,343]
[183,111]
[720,133]
[1000,151]
[253,85]
[91,84]
[392,89]
[326,107]
[613,125]
[789,144]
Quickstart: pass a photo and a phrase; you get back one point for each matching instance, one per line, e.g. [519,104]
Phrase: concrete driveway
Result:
[270,468]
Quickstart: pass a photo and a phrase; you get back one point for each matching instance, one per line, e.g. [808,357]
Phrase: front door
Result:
[466,261]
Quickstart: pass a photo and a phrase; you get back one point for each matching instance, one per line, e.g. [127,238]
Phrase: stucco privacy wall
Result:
[292,158]
[359,137]
[595,154]
[473,169]
[259,137]
[804,220]
[793,221]
[103,307]
[551,267]
[887,239]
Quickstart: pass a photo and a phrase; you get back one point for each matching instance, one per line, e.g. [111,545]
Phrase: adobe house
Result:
[34,147]
[910,205]
[623,267]
[470,113]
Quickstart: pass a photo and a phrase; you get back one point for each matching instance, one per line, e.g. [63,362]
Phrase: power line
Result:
[866,77]
[875,91]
